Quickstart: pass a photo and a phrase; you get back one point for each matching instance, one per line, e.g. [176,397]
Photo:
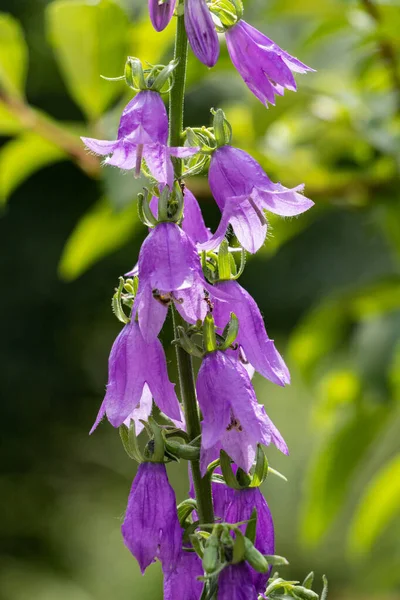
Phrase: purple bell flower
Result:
[265,68]
[182,583]
[201,32]
[243,191]
[235,583]
[193,221]
[151,527]
[161,12]
[136,366]
[252,338]
[169,271]
[232,418]
[142,133]
[240,509]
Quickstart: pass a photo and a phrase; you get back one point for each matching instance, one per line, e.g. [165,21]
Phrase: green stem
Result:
[202,485]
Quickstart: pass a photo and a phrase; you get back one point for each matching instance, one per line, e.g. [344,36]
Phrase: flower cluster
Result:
[220,542]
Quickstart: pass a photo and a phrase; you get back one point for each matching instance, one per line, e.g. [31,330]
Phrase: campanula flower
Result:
[235,583]
[135,367]
[240,508]
[201,31]
[265,68]
[182,583]
[232,418]
[252,338]
[151,527]
[169,271]
[161,12]
[243,191]
[142,134]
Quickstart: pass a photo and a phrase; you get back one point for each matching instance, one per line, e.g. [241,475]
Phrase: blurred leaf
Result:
[13,56]
[9,124]
[100,232]
[334,467]
[90,39]
[21,157]
[150,45]
[379,505]
[336,388]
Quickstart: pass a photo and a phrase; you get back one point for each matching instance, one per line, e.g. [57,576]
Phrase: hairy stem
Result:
[202,485]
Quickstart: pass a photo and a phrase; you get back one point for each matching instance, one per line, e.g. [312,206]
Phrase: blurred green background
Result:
[328,284]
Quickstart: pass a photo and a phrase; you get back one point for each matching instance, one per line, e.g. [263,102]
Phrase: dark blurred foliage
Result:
[328,284]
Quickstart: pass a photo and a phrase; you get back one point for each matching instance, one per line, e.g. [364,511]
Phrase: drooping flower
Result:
[258,349]
[265,68]
[151,527]
[235,583]
[142,134]
[201,32]
[232,418]
[161,13]
[169,271]
[243,191]
[240,508]
[182,583]
[133,363]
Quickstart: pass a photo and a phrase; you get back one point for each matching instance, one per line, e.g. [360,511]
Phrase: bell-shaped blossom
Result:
[232,418]
[242,504]
[265,68]
[258,349]
[161,13]
[142,134]
[235,583]
[243,191]
[169,271]
[151,527]
[137,369]
[201,31]
[182,583]
[193,221]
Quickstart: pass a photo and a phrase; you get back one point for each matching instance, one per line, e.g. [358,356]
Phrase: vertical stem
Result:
[202,486]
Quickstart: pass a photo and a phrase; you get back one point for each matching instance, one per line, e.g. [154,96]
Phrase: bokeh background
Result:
[328,284]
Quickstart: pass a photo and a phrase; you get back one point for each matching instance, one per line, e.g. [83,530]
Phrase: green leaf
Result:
[331,474]
[90,39]
[13,56]
[9,123]
[380,504]
[21,157]
[99,232]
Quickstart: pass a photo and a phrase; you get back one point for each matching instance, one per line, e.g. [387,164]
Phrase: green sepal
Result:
[210,340]
[242,264]
[197,545]
[308,581]
[254,557]
[144,211]
[116,303]
[155,449]
[276,561]
[227,472]
[211,556]
[239,547]
[134,75]
[230,332]
[251,527]
[277,473]
[185,508]
[163,201]
[184,451]
[186,343]
[324,594]
[164,75]
[224,261]
[304,593]
[222,128]
[129,442]
[261,468]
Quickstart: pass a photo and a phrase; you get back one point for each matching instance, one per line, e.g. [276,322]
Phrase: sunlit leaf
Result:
[379,505]
[99,232]
[23,156]
[9,123]
[150,45]
[13,56]
[336,388]
[334,466]
[90,39]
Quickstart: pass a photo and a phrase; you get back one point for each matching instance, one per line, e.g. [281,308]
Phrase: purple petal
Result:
[144,120]
[183,151]
[193,222]
[151,312]
[142,411]
[159,163]
[260,351]
[101,147]
[124,156]
[168,259]
[249,225]
[183,583]
[191,303]
[151,528]
[201,32]
[235,583]
[283,201]
[161,14]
